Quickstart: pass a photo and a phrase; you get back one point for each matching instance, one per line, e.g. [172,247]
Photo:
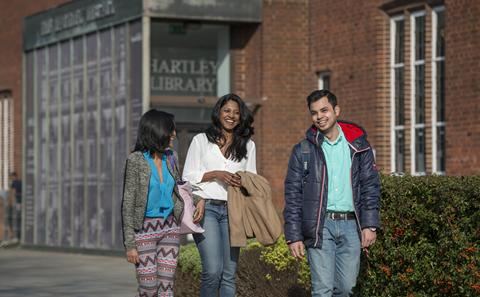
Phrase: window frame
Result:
[413,63]
[435,59]
[393,67]
[6,137]
[322,77]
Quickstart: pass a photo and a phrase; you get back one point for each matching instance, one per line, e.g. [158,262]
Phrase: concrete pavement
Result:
[35,273]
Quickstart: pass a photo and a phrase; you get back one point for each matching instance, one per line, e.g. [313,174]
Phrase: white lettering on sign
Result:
[77,17]
[183,75]
[179,66]
[180,84]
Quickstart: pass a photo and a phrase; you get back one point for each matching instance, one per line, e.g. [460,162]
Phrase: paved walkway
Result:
[44,273]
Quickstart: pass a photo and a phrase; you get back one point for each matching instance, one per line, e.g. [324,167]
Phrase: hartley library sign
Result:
[183,72]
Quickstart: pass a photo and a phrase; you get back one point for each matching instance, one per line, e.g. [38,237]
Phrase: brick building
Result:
[407,71]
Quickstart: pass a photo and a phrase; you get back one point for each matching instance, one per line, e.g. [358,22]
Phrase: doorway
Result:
[185,134]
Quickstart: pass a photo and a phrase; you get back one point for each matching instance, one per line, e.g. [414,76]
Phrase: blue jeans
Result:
[219,260]
[334,268]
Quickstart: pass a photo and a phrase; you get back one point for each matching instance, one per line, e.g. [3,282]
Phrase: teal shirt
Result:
[339,163]
[159,201]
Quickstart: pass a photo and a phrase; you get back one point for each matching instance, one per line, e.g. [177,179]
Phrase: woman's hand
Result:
[132,256]
[199,211]
[231,179]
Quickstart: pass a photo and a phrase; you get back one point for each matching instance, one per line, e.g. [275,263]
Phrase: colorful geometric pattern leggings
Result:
[157,245]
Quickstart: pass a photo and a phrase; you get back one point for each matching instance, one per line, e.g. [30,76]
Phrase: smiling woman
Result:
[229,115]
[212,161]
[231,127]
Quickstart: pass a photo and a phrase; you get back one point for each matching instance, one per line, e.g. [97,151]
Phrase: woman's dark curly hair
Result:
[154,132]
[241,133]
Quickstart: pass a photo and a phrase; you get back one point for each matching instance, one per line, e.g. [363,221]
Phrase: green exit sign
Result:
[176,29]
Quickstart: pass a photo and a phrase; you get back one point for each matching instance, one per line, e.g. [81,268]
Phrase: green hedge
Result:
[429,244]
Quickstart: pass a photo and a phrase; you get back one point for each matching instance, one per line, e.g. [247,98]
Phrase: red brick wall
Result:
[462,62]
[246,52]
[11,20]
[277,61]
[350,39]
[286,79]
[299,38]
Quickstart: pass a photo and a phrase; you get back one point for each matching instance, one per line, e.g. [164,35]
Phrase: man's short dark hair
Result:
[319,94]
[13,174]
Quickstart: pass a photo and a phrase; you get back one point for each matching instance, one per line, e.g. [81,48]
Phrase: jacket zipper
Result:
[321,206]
[321,196]
[355,151]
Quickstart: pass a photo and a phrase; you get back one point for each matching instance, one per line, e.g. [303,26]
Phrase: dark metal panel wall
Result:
[120,149]
[79,149]
[83,101]
[64,145]
[42,156]
[29,149]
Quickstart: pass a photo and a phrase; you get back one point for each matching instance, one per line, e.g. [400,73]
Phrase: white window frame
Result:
[6,138]
[435,59]
[321,79]
[393,67]
[223,60]
[414,63]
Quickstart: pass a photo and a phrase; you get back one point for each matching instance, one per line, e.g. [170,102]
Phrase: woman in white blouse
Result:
[212,160]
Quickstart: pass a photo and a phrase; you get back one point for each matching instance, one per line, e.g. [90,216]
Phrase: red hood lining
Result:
[351,131]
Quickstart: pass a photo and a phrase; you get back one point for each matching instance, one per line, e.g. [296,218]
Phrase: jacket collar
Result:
[355,135]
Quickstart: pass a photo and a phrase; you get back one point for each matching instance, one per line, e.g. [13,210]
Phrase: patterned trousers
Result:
[158,247]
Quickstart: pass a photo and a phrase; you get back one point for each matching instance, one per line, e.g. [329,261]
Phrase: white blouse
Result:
[204,156]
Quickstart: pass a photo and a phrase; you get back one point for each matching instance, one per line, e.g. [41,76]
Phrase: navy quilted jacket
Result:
[306,191]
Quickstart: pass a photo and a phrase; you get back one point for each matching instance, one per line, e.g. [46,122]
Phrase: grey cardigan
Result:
[135,194]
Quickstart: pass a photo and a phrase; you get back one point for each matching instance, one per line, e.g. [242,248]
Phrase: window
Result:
[417,38]
[6,138]
[189,60]
[324,80]
[438,90]
[190,69]
[417,54]
[397,93]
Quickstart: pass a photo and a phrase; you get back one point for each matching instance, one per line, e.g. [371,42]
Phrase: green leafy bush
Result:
[429,243]
[189,260]
[278,256]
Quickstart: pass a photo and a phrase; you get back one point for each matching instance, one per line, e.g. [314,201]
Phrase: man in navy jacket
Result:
[332,191]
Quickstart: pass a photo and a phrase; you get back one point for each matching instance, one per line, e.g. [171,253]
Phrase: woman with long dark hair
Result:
[212,160]
[151,206]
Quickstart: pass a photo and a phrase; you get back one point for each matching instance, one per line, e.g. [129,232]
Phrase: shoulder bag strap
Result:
[305,146]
